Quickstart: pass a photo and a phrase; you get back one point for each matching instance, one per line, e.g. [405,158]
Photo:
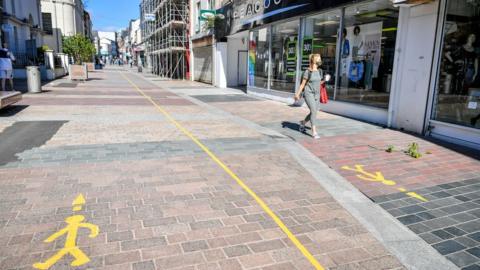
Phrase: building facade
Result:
[165,33]
[122,44]
[22,28]
[87,25]
[62,18]
[411,65]
[203,49]
[134,43]
[107,45]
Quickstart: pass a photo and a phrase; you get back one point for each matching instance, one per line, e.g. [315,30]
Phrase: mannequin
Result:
[467,61]
[345,44]
[357,43]
[449,70]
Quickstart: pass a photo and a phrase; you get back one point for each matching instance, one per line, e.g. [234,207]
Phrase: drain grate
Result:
[224,98]
[66,85]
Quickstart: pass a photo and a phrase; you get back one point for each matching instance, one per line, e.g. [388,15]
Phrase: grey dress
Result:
[311,93]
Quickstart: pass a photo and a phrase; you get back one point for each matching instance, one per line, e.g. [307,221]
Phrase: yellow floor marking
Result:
[239,181]
[71,230]
[78,203]
[378,177]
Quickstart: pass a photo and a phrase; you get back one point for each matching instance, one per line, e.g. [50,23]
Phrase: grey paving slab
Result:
[449,221]
[133,151]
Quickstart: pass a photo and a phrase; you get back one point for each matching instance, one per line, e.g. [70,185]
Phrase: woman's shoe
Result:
[316,136]
[302,127]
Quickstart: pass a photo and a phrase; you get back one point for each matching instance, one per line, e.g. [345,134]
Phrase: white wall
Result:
[67,20]
[235,44]
[220,74]
[409,99]
[24,9]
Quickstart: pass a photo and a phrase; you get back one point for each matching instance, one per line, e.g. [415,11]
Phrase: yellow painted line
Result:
[239,181]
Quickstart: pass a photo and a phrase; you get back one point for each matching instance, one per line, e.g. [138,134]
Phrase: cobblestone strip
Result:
[48,156]
[449,221]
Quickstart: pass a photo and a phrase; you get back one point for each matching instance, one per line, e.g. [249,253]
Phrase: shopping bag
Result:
[323,93]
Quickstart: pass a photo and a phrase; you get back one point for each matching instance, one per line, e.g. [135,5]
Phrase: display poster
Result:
[307,49]
[291,66]
[251,62]
[365,42]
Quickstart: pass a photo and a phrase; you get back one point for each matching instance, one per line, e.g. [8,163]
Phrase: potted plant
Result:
[82,51]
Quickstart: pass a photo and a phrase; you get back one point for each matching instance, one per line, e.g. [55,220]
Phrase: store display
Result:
[457,93]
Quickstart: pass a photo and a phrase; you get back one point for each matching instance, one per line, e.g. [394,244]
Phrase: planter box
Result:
[90,67]
[78,72]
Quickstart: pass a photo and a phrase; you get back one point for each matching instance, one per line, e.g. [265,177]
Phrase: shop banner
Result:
[239,15]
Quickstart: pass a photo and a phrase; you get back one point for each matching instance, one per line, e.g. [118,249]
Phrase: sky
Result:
[112,15]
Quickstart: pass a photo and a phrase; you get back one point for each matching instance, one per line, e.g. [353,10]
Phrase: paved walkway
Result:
[177,175]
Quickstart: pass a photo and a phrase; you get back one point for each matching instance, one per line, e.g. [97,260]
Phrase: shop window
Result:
[367,53]
[258,58]
[320,37]
[284,56]
[458,88]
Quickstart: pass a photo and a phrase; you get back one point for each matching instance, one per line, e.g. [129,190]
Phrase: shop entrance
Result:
[242,68]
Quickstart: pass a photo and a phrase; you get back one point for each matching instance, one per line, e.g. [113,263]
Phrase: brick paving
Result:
[441,175]
[159,202]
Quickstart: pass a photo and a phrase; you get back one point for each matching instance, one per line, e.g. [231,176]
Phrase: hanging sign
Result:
[149,17]
[206,13]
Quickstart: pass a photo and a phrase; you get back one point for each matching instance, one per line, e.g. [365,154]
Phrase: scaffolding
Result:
[166,38]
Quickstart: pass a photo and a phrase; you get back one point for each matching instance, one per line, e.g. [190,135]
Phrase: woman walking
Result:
[312,78]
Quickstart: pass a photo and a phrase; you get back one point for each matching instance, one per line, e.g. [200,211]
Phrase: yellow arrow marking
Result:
[74,223]
[78,203]
[378,177]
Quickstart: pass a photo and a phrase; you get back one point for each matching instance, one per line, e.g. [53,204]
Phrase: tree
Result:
[79,47]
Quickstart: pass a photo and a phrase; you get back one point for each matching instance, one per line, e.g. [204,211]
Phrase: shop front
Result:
[411,65]
[355,39]
[455,99]
[202,52]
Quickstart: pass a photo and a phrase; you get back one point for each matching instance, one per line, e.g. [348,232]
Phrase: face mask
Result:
[319,63]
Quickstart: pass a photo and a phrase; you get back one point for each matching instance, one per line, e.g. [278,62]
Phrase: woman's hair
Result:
[356,30]
[315,58]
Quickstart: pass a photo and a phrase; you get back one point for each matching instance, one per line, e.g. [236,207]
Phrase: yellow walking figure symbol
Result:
[74,223]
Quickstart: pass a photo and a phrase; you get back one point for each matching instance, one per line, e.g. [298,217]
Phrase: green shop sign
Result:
[205,14]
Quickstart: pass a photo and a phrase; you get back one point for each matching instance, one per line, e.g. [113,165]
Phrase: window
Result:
[320,36]
[258,58]
[47,23]
[458,88]
[284,56]
[12,3]
[367,53]
[15,39]
[197,17]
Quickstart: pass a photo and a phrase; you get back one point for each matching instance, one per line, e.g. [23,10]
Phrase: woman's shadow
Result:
[293,126]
